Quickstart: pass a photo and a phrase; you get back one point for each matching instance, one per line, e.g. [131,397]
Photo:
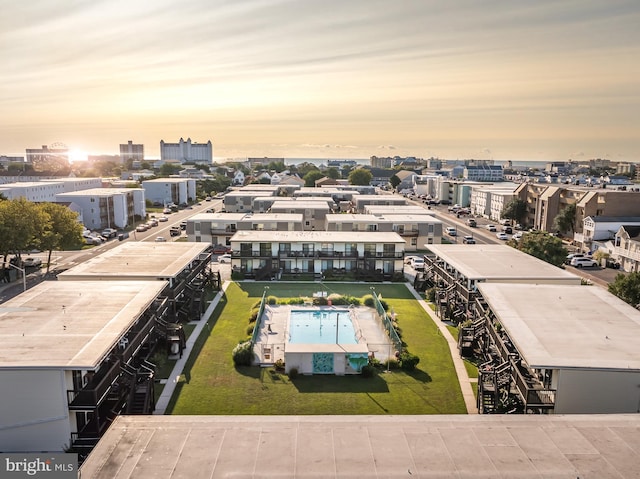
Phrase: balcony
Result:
[130,344]
[93,393]
[625,253]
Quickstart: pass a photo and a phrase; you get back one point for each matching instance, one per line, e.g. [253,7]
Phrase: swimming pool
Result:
[321,327]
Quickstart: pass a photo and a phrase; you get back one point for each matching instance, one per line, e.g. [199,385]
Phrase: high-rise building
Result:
[187,152]
[131,151]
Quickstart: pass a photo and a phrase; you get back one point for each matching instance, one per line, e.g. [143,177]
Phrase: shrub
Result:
[430,294]
[250,329]
[279,365]
[368,301]
[320,301]
[242,354]
[295,301]
[375,363]
[293,373]
[368,371]
[254,315]
[408,361]
[391,364]
[272,300]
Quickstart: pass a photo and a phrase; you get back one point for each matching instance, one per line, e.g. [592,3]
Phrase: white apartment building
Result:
[107,207]
[187,151]
[165,191]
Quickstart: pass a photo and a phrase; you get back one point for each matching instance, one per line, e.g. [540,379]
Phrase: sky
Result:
[485,79]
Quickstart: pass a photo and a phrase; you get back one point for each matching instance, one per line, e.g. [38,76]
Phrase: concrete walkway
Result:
[458,363]
[167,392]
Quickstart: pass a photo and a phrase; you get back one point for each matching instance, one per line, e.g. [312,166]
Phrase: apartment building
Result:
[358,203]
[627,247]
[165,191]
[565,356]
[73,354]
[314,212]
[416,229]
[218,228]
[490,201]
[317,254]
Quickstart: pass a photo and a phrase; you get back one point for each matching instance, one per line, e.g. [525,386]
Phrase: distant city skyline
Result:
[502,80]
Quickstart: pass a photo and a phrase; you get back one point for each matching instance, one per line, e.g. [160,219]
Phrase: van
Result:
[451,231]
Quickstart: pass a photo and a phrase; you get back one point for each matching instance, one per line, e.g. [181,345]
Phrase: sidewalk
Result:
[167,392]
[458,363]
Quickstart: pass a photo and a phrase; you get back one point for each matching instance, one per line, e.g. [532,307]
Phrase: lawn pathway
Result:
[458,363]
[167,392]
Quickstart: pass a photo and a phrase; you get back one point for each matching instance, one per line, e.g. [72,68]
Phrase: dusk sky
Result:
[521,80]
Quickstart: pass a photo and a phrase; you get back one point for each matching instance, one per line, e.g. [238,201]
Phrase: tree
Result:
[395,181]
[627,288]
[565,220]
[311,177]
[544,246]
[22,224]
[63,231]
[515,210]
[333,173]
[168,169]
[360,176]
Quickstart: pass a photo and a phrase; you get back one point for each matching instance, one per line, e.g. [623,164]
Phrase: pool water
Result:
[321,327]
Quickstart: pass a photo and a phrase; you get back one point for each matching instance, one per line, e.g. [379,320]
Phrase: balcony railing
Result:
[93,393]
[532,392]
[625,253]
[129,346]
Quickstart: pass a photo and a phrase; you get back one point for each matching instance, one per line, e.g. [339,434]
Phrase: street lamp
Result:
[24,275]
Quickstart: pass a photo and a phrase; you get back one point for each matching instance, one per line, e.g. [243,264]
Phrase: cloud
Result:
[386,147]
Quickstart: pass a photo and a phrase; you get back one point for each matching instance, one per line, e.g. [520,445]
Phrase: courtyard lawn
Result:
[213,385]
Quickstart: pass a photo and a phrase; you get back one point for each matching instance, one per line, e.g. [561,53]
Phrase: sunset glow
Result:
[493,79]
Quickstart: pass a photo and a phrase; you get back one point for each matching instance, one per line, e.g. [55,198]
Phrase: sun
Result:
[77,156]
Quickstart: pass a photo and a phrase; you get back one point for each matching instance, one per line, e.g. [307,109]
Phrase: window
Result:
[414,241]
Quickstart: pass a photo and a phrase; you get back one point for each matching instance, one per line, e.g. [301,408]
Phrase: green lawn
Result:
[214,386]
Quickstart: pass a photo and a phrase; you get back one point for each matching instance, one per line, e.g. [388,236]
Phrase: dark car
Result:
[175,231]
[507,229]
[221,249]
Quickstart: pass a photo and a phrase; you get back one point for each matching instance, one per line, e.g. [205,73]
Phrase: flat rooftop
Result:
[567,326]
[497,262]
[139,260]
[321,203]
[318,236]
[70,325]
[461,446]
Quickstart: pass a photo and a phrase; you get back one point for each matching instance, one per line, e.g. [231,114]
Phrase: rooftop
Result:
[318,236]
[70,325]
[479,447]
[139,260]
[498,262]
[569,327]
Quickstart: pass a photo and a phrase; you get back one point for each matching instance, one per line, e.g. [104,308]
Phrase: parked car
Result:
[417,263]
[161,239]
[571,256]
[507,229]
[109,233]
[492,228]
[141,228]
[32,262]
[221,249]
[517,235]
[166,211]
[471,223]
[502,236]
[175,231]
[208,198]
[152,222]
[612,263]
[451,231]
[183,225]
[468,239]
[224,258]
[409,259]
[584,263]
[163,219]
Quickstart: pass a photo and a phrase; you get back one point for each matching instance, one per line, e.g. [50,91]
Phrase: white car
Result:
[492,228]
[502,236]
[161,239]
[224,258]
[451,231]
[584,263]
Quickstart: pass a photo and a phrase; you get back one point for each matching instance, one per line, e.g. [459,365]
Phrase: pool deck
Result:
[270,344]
